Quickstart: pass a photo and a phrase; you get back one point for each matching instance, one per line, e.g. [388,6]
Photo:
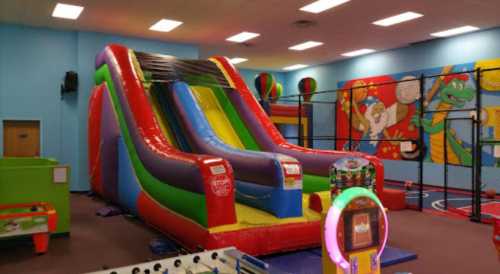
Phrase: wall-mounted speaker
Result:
[70,82]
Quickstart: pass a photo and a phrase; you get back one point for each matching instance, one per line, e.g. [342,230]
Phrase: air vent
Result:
[304,23]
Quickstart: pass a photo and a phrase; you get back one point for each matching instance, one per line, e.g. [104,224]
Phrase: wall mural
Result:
[391,112]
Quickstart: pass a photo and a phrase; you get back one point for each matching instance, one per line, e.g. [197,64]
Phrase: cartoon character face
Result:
[377,116]
[456,93]
[408,92]
[377,111]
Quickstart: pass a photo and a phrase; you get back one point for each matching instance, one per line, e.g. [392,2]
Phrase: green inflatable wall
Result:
[24,180]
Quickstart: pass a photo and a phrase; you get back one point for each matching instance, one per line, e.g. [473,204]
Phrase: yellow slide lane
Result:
[216,116]
[249,217]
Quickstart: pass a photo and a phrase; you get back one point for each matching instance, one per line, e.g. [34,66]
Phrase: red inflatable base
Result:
[269,239]
[255,241]
[394,199]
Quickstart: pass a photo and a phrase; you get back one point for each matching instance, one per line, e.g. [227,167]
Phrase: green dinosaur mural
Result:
[453,94]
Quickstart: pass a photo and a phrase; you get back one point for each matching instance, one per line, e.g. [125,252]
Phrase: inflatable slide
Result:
[184,145]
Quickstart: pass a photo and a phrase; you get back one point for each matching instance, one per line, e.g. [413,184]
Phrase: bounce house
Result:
[184,145]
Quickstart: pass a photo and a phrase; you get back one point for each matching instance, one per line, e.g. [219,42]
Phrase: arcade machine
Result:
[356,226]
[220,261]
[36,219]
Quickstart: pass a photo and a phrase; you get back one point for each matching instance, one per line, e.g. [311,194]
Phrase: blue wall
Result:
[32,66]
[455,50]
[434,53]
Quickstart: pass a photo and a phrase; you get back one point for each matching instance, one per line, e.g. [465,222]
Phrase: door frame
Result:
[2,125]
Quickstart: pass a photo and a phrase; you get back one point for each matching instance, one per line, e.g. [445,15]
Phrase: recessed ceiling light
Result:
[242,37]
[454,31]
[358,52]
[294,67]
[306,45]
[322,5]
[67,11]
[237,60]
[165,25]
[396,19]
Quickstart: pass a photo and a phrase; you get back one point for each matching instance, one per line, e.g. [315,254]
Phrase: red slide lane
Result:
[142,111]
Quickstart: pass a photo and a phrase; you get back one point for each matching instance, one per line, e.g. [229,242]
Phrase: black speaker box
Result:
[70,82]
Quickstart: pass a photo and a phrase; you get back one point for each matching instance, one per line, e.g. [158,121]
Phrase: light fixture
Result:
[294,67]
[306,45]
[454,31]
[322,5]
[237,60]
[358,52]
[396,19]
[165,25]
[242,37]
[67,11]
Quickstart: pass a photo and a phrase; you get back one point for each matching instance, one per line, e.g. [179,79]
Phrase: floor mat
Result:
[309,261]
[491,208]
[459,202]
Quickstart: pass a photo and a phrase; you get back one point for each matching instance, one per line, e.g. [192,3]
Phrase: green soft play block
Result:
[25,180]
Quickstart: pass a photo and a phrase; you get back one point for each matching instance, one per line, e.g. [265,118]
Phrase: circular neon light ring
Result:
[333,218]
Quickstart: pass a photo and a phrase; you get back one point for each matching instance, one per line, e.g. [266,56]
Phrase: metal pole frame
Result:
[350,117]
[309,107]
[476,146]
[301,133]
[476,216]
[335,109]
[447,164]
[445,143]
[473,164]
[421,145]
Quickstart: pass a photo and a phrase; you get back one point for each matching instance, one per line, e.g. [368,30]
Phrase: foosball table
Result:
[36,219]
[219,261]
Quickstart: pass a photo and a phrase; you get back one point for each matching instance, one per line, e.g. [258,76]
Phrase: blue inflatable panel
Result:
[280,202]
[128,184]
[392,256]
